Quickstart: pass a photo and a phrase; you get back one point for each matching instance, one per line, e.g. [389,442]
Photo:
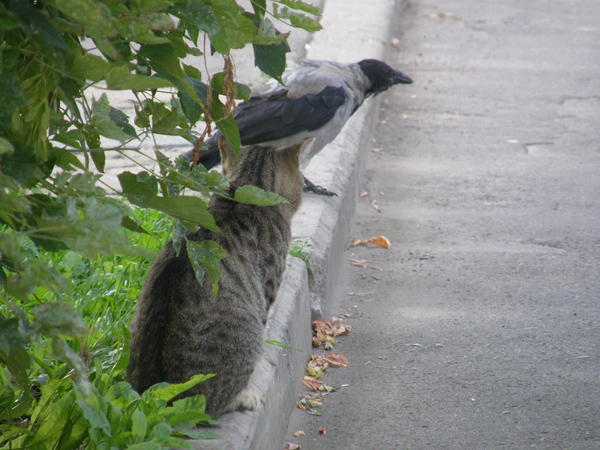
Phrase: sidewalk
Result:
[479,328]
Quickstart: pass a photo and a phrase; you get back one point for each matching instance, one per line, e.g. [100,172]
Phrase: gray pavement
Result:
[480,327]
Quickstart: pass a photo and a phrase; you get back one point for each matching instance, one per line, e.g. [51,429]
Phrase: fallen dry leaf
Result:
[363,193]
[358,264]
[315,385]
[333,328]
[375,206]
[335,359]
[309,401]
[315,372]
[325,331]
[298,433]
[291,446]
[322,431]
[322,339]
[316,363]
[379,241]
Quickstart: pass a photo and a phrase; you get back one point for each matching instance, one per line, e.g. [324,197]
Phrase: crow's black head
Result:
[381,76]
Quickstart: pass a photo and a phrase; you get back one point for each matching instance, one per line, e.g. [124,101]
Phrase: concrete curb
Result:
[353,30]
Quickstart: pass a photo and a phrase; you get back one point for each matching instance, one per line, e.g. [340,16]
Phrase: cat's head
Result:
[270,168]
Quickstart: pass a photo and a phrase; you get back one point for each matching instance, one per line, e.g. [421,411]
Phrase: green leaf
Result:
[121,394]
[235,30]
[130,224]
[139,426]
[231,132]
[160,430]
[253,195]
[149,6]
[271,59]
[52,424]
[141,189]
[144,446]
[6,147]
[17,363]
[120,78]
[178,235]
[110,122]
[138,188]
[94,14]
[170,392]
[99,158]
[190,209]
[96,419]
[168,124]
[171,441]
[302,6]
[194,404]
[9,335]
[198,434]
[32,21]
[89,67]
[206,255]
[259,7]
[297,20]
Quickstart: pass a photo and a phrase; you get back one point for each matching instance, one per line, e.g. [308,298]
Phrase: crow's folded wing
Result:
[277,116]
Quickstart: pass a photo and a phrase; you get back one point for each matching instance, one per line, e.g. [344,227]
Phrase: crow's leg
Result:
[310,186]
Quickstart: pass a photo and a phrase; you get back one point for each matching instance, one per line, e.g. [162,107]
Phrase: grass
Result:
[105,290]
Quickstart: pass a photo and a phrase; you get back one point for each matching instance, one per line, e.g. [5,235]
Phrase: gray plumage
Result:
[316,100]
[179,329]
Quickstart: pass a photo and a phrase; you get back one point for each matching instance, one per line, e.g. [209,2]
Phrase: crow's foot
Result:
[319,190]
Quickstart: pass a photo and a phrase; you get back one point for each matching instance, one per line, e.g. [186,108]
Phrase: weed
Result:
[299,249]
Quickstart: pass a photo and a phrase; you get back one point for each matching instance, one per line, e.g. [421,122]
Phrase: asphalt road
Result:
[480,327]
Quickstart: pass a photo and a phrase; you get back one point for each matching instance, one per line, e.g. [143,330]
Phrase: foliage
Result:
[66,295]
[300,249]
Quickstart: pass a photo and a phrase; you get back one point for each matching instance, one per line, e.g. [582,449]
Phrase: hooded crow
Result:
[316,100]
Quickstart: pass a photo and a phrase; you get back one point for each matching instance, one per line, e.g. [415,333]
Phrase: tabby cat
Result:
[180,329]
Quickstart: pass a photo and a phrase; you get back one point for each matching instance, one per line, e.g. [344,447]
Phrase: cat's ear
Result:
[295,150]
[228,158]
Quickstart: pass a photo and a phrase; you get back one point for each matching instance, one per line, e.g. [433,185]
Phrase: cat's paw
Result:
[245,400]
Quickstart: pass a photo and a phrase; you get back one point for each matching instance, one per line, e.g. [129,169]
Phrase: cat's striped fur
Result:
[179,329]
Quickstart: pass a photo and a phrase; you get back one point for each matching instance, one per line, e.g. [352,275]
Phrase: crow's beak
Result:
[400,78]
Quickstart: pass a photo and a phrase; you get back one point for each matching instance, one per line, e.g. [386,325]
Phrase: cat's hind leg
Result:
[246,399]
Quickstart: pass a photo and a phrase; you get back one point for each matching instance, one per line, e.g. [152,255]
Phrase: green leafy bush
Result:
[72,257]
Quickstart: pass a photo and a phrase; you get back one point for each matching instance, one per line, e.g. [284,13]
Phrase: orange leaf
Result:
[322,431]
[379,241]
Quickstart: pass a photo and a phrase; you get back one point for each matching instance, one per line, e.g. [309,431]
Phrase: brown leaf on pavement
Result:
[322,431]
[315,385]
[291,446]
[298,433]
[379,241]
[309,401]
[358,264]
[335,360]
[333,328]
